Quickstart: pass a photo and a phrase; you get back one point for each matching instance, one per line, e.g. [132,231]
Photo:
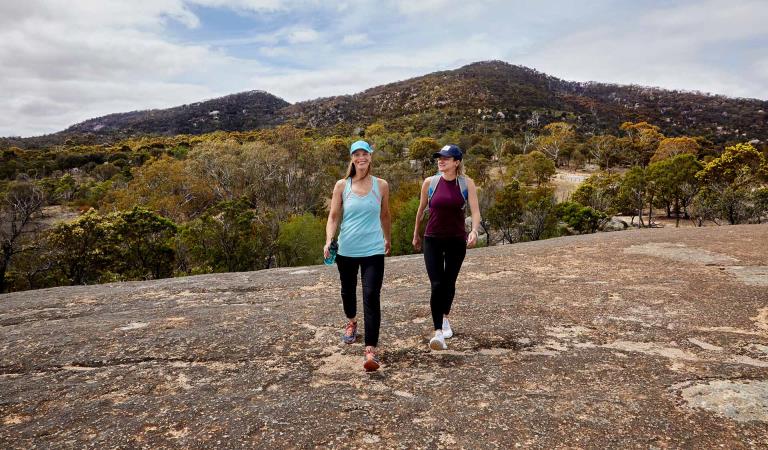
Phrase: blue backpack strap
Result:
[464,189]
[433,180]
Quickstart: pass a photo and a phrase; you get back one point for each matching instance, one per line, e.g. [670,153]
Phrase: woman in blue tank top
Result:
[445,238]
[361,201]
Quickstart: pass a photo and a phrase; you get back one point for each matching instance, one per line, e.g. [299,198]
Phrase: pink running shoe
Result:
[372,362]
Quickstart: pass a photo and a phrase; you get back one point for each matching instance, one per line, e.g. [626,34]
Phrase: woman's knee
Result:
[371,293]
[348,287]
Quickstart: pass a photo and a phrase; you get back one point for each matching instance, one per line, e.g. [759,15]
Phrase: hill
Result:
[653,338]
[498,91]
[243,111]
[463,99]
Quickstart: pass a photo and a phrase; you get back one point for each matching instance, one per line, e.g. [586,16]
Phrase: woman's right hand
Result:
[327,250]
[417,242]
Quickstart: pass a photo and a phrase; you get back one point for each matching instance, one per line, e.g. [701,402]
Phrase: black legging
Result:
[443,258]
[372,275]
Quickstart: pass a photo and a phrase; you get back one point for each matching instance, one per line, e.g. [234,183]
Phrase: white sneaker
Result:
[447,331]
[438,342]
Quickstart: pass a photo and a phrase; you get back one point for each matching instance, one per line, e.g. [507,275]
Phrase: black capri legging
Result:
[372,275]
[443,257]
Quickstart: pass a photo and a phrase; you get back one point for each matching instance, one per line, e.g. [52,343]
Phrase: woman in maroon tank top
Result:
[445,237]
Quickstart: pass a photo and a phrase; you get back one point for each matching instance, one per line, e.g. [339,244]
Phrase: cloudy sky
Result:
[64,61]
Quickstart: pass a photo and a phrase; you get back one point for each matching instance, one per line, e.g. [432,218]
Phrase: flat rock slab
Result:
[640,339]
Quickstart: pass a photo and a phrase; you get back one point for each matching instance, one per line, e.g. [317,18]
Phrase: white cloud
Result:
[302,36]
[244,5]
[409,7]
[450,11]
[67,102]
[365,68]
[56,52]
[65,61]
[672,48]
[97,14]
[760,67]
[710,20]
[356,39]
[284,36]
[275,52]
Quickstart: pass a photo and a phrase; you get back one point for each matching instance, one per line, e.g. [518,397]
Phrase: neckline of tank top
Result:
[352,190]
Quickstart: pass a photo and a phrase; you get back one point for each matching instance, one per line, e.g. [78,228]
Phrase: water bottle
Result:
[332,249]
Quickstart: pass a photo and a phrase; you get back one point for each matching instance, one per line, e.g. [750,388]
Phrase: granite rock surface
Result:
[636,339]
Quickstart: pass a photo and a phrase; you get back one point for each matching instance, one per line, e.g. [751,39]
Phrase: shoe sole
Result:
[435,345]
[371,366]
[447,335]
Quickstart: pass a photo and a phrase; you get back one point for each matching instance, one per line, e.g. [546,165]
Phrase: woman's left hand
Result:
[387,247]
[472,239]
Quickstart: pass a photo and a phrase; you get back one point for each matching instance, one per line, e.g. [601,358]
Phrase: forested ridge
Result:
[154,199]
[465,98]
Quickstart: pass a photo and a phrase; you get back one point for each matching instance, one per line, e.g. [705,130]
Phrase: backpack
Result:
[433,186]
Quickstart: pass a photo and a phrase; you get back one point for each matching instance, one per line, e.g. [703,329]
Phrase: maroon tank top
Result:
[446,215]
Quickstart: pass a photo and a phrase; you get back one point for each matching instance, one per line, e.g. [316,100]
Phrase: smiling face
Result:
[447,164]
[362,160]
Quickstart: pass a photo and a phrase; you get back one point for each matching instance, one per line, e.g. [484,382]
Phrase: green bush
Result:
[402,228]
[583,219]
[301,240]
[227,238]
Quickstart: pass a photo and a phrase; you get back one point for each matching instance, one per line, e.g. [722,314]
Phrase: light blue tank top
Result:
[361,233]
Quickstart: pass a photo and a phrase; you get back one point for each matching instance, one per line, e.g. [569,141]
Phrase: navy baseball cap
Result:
[451,150]
[360,145]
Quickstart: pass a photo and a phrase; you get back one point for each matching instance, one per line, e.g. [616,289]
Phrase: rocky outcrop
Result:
[650,339]
[614,224]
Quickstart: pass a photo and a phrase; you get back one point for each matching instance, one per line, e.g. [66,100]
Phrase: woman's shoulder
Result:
[340,184]
[381,185]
